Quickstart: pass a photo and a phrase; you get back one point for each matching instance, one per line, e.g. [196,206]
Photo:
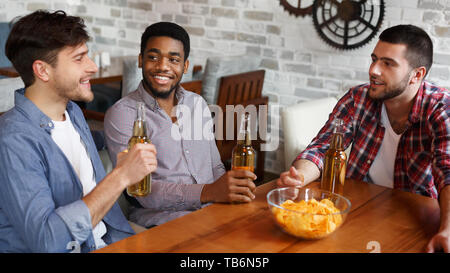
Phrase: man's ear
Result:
[140,61]
[186,66]
[41,70]
[419,74]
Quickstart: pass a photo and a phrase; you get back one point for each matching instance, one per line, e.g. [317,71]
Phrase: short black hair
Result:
[419,46]
[40,36]
[168,29]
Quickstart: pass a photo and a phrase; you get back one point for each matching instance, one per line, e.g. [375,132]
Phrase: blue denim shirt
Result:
[40,194]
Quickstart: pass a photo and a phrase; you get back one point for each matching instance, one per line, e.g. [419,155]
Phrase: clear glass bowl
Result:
[300,222]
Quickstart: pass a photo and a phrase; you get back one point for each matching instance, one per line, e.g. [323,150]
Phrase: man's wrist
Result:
[204,196]
[121,180]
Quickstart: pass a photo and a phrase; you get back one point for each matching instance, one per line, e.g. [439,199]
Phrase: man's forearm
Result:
[309,170]
[104,195]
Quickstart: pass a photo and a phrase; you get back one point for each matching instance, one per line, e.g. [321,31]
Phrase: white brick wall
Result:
[300,66]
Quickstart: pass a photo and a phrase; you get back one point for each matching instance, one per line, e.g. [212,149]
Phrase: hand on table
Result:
[235,186]
[439,242]
[291,178]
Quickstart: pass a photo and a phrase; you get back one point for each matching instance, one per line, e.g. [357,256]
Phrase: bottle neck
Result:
[139,124]
[246,141]
[337,140]
[139,128]
[244,133]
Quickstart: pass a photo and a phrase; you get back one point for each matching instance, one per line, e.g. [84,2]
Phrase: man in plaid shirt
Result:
[398,126]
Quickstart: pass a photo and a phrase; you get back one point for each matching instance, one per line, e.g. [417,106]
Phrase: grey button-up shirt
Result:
[186,152]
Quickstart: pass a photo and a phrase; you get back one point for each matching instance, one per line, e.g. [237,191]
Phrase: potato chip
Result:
[308,219]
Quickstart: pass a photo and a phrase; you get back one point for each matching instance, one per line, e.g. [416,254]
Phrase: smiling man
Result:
[189,172]
[398,125]
[54,194]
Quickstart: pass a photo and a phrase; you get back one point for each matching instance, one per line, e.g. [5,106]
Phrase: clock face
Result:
[347,24]
[297,7]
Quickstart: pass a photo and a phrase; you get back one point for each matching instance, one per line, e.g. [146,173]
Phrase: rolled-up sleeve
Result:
[77,218]
[27,200]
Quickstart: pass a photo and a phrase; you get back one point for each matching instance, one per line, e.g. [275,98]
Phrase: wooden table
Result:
[112,73]
[380,219]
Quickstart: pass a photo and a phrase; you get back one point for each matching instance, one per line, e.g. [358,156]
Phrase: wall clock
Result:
[347,24]
[297,7]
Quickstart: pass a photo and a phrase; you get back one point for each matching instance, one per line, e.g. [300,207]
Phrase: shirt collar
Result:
[33,113]
[414,116]
[151,102]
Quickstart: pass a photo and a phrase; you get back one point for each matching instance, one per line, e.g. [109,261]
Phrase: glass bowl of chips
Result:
[307,213]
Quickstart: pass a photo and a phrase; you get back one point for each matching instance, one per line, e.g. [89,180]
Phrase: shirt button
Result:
[187,151]
[369,161]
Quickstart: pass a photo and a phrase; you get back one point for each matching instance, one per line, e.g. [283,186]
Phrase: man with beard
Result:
[398,125]
[190,172]
[54,195]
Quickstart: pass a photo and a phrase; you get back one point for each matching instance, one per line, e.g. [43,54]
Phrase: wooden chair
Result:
[94,115]
[193,86]
[242,89]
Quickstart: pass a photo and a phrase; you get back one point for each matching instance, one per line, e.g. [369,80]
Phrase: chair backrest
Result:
[239,88]
[301,123]
[193,86]
[4,33]
[132,75]
[7,88]
[225,144]
[219,66]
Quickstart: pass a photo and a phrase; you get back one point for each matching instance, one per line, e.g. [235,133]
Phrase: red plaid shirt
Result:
[422,163]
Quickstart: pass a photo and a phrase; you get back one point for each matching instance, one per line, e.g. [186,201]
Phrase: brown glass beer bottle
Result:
[335,163]
[243,154]
[140,136]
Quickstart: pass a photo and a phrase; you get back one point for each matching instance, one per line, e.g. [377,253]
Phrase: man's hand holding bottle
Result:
[136,163]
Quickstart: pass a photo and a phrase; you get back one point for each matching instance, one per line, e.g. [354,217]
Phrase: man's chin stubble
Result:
[157,94]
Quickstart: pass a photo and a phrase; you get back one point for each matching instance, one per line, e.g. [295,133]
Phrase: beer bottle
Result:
[333,174]
[243,154]
[140,136]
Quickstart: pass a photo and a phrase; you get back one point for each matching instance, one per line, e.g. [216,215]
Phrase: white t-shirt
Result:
[382,169]
[70,143]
